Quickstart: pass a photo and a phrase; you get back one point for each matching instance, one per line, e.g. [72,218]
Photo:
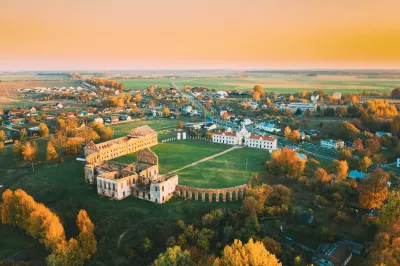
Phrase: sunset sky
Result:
[146,34]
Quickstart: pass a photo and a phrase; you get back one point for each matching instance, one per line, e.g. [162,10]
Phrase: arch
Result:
[221,197]
[240,194]
[228,196]
[208,197]
[234,195]
[214,196]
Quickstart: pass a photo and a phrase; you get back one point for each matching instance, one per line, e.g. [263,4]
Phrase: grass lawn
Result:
[227,170]
[176,154]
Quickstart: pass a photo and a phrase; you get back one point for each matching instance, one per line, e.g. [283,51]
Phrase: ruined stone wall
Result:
[211,194]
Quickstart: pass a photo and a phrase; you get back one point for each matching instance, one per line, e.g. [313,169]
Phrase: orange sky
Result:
[142,34]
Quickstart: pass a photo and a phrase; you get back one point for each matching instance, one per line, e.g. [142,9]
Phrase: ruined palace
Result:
[140,179]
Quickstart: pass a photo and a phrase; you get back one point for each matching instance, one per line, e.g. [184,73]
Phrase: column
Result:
[196,196]
[224,197]
[210,197]
[190,195]
[184,194]
[229,196]
[217,197]
[203,197]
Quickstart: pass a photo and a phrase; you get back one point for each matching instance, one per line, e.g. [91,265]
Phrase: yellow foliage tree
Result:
[251,254]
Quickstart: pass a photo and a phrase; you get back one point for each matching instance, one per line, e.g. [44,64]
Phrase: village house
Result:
[332,144]
[357,175]
[230,137]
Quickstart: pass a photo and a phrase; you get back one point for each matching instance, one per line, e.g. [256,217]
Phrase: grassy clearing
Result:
[226,170]
[176,154]
[143,83]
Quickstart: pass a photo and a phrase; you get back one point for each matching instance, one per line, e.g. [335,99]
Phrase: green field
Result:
[143,83]
[227,170]
[281,83]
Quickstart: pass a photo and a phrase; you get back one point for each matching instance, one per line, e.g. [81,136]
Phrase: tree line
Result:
[20,210]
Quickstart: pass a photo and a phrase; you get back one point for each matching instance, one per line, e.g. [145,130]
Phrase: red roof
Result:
[232,134]
[262,137]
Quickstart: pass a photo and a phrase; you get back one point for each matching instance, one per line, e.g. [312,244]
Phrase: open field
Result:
[143,83]
[296,83]
[176,154]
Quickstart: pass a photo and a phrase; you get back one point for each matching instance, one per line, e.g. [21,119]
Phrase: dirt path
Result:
[207,158]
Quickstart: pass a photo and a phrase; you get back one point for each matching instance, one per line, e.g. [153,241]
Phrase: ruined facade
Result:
[140,179]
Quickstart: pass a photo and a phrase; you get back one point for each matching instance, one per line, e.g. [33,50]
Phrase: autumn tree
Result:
[286,162]
[364,163]
[17,149]
[174,256]
[252,254]
[358,144]
[348,130]
[88,134]
[106,134]
[29,152]
[208,135]
[225,115]
[344,154]
[259,89]
[2,135]
[44,130]
[373,190]
[321,176]
[291,98]
[341,169]
[51,152]
[138,97]
[59,142]
[294,136]
[166,112]
[86,239]
[180,125]
[256,96]
[287,132]
[23,135]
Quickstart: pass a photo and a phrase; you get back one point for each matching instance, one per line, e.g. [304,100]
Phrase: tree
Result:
[180,125]
[51,152]
[252,254]
[174,256]
[166,112]
[294,136]
[2,135]
[358,144]
[225,115]
[373,190]
[29,152]
[287,132]
[321,176]
[59,142]
[373,145]
[17,149]
[395,93]
[106,134]
[256,96]
[88,134]
[390,212]
[147,244]
[23,135]
[286,162]
[344,154]
[259,89]
[208,135]
[348,130]
[138,97]
[86,239]
[44,130]
[291,98]
[341,169]
[365,163]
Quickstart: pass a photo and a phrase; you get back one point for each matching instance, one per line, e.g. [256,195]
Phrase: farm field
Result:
[295,83]
[143,83]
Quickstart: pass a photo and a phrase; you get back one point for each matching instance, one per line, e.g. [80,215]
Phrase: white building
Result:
[229,137]
[261,142]
[332,144]
[336,95]
[268,127]
[301,106]
[315,98]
